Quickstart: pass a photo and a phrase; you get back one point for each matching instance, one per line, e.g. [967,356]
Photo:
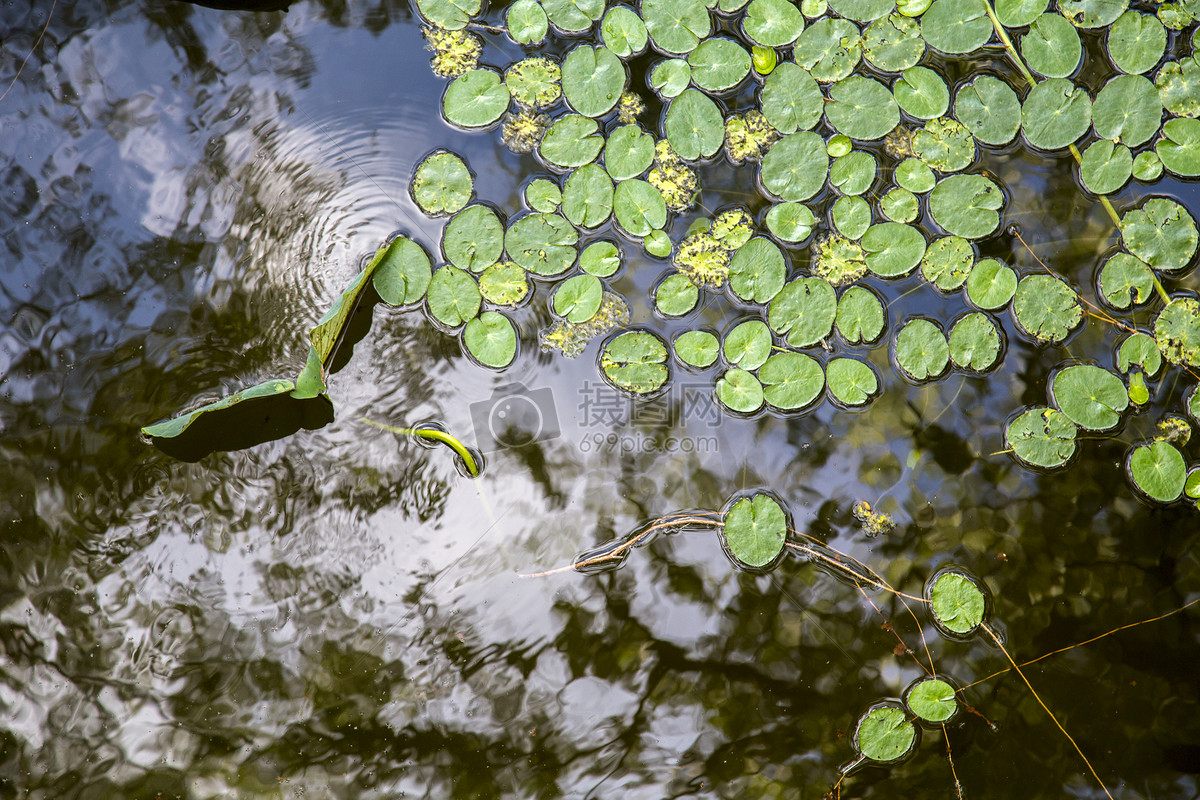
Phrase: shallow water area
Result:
[340,613]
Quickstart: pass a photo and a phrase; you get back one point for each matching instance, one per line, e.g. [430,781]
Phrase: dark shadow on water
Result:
[247,424]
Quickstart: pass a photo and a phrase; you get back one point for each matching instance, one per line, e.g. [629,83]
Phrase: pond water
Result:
[342,614]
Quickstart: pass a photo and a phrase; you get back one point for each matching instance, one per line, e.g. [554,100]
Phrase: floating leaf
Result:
[1092,13]
[893,250]
[628,152]
[948,262]
[915,175]
[401,275]
[1055,114]
[491,339]
[1126,281]
[839,145]
[657,244]
[747,344]
[851,382]
[757,271]
[1140,350]
[990,109]
[957,602]
[694,125]
[764,59]
[719,64]
[862,108]
[790,222]
[635,362]
[578,298]
[975,342]
[676,26]
[601,259]
[883,734]
[1042,437]
[452,15]
[860,316]
[804,311]
[932,700]
[1106,167]
[1127,109]
[772,23]
[572,141]
[922,350]
[839,260]
[1177,331]
[991,284]
[453,296]
[1191,486]
[1091,397]
[697,349]
[504,284]
[1019,13]
[593,79]
[966,205]
[473,239]
[1178,84]
[956,26]
[829,49]
[944,144]
[544,244]
[738,390]
[676,296]
[791,381]
[922,93]
[1046,308]
[1179,149]
[791,99]
[1136,42]
[442,184]
[670,77]
[1147,166]
[851,216]
[623,32]
[169,429]
[534,83]
[1052,48]
[796,167]
[475,99]
[639,208]
[755,529]
[543,195]
[893,43]
[527,22]
[1158,470]
[853,173]
[899,205]
[1162,233]
[588,196]
[573,16]
[862,10]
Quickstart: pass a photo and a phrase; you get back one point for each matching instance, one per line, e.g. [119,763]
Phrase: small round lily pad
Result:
[442,184]
[851,382]
[1161,233]
[957,602]
[1046,308]
[1042,437]
[1158,470]
[884,734]
[860,316]
[791,381]
[491,339]
[975,342]
[697,349]
[635,361]
[578,298]
[921,350]
[931,700]
[739,391]
[754,530]
[991,284]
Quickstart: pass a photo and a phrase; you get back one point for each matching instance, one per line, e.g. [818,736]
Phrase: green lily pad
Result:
[932,700]
[899,205]
[543,244]
[739,391]
[676,295]
[1052,47]
[623,32]
[763,59]
[1106,167]
[676,26]
[829,49]
[491,339]
[966,205]
[628,153]
[862,108]
[851,382]
[922,351]
[944,144]
[1177,331]
[588,196]
[956,26]
[1158,470]
[527,22]
[442,184]
[1140,350]
[1136,42]
[1178,84]
[1179,147]
[1191,485]
[747,344]
[1091,397]
[719,64]
[990,109]
[893,250]
[593,79]
[757,271]
[453,297]
[635,362]
[534,83]
[504,284]
[991,284]
[1126,281]
[402,272]
[795,168]
[169,429]
[1127,109]
[772,23]
[452,15]
[697,349]
[1147,166]
[893,43]
[862,10]
[1042,437]
[754,530]
[475,99]
[838,260]
[670,77]
[601,259]
[791,381]
[573,16]
[1092,13]
[1046,308]
[976,342]
[571,141]
[639,207]
[1055,114]
[860,316]
[694,125]
[851,216]
[803,311]
[1019,13]
[578,298]
[957,602]
[790,222]
[922,93]
[473,239]
[853,173]
[1162,233]
[543,195]
[948,262]
[884,735]
[791,99]
[915,175]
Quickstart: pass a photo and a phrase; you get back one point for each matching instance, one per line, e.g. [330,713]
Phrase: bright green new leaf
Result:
[1127,108]
[1141,350]
[790,222]
[899,205]
[658,244]
[1179,147]
[452,15]
[601,259]
[676,26]
[719,64]
[1147,166]
[932,700]
[853,173]
[1106,167]
[670,77]
[851,216]
[543,195]
[915,175]
[862,108]
[623,32]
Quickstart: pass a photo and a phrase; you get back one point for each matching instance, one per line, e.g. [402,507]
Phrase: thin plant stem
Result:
[434,435]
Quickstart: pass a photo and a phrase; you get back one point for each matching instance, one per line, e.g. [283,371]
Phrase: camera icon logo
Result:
[514,416]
